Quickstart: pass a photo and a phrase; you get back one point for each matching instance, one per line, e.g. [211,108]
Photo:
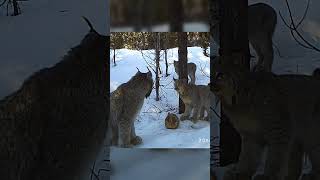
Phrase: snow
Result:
[159,164]
[150,122]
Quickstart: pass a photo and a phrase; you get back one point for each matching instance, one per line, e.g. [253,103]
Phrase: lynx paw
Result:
[126,145]
[194,120]
[307,177]
[258,68]
[136,141]
[260,177]
[230,176]
[182,118]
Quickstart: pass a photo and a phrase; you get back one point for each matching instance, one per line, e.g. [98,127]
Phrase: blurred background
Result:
[159,15]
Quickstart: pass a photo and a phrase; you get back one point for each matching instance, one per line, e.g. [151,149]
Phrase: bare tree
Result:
[176,15]
[157,65]
[15,8]
[232,16]
[183,61]
[166,53]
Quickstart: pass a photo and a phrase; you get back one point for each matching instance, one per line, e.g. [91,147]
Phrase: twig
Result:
[293,28]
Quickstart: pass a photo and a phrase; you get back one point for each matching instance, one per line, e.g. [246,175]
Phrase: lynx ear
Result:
[138,71]
[149,74]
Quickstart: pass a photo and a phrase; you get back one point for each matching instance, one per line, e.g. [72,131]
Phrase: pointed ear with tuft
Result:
[149,74]
[90,25]
[138,70]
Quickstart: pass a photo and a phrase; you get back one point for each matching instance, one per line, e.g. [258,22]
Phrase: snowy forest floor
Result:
[150,122]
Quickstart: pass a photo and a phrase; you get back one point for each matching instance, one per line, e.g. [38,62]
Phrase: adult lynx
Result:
[125,104]
[54,126]
[195,97]
[262,21]
[192,67]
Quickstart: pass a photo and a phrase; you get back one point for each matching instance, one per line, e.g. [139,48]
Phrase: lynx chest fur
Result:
[126,102]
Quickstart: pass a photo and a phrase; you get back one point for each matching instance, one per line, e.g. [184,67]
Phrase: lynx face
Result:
[224,85]
[180,85]
[146,79]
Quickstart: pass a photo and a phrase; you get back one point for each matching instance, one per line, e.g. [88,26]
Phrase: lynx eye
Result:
[219,76]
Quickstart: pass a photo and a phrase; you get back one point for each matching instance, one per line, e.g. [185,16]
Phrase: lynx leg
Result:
[192,77]
[249,159]
[195,115]
[315,161]
[277,154]
[135,140]
[202,112]
[267,51]
[294,162]
[186,113]
[115,135]
[125,133]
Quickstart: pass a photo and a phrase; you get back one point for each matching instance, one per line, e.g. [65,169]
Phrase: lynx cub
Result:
[192,67]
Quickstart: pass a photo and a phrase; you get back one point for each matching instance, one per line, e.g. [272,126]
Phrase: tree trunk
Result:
[176,15]
[15,7]
[166,53]
[234,45]
[157,65]
[114,57]
[166,59]
[183,61]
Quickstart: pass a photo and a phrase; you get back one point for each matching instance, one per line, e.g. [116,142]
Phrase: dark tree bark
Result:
[157,65]
[234,45]
[166,59]
[183,61]
[114,57]
[176,15]
[15,8]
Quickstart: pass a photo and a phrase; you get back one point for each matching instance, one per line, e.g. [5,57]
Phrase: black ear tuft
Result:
[89,24]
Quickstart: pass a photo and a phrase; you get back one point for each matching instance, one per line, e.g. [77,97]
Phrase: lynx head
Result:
[181,85]
[146,81]
[227,76]
[95,45]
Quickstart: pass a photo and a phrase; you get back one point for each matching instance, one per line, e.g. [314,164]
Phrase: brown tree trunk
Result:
[234,45]
[15,7]
[114,57]
[166,53]
[183,61]
[157,65]
[176,15]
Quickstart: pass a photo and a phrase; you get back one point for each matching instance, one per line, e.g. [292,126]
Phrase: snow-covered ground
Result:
[150,122]
[153,164]
[187,27]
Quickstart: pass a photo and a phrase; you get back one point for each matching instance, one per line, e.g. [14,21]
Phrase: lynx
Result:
[195,97]
[280,112]
[192,67]
[126,102]
[54,126]
[262,21]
